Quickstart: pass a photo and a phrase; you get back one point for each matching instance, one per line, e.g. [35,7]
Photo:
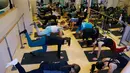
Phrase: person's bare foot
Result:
[61,57]
[95,59]
[61,52]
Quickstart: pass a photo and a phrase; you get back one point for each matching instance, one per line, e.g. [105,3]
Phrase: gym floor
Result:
[74,51]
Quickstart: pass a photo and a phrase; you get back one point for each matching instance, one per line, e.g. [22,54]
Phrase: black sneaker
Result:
[32,54]
[24,31]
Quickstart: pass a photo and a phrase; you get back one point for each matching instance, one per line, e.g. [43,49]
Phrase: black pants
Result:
[22,70]
[55,40]
[44,66]
[88,33]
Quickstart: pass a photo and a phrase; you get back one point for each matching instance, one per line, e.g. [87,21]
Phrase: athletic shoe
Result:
[24,31]
[14,62]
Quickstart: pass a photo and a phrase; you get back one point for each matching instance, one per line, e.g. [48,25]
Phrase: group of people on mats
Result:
[87,30]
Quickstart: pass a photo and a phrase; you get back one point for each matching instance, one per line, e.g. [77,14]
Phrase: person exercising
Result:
[51,29]
[111,63]
[46,40]
[48,67]
[107,42]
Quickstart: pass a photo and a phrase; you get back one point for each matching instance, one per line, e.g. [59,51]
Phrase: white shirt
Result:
[55,29]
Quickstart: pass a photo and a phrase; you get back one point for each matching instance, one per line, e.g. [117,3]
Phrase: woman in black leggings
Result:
[111,63]
[46,40]
[46,67]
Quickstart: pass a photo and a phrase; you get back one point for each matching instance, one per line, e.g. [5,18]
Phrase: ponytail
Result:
[93,68]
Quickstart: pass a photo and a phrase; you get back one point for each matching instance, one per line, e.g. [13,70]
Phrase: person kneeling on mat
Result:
[111,63]
[46,40]
[48,67]
[107,42]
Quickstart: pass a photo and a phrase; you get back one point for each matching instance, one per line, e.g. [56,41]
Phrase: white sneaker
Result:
[14,62]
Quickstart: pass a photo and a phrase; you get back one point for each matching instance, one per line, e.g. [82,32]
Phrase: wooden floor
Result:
[74,51]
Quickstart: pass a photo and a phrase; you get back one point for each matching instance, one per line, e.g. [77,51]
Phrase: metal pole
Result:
[13,68]
[23,23]
[122,36]
[20,37]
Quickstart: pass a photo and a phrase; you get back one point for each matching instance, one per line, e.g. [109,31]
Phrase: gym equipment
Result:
[116,33]
[48,56]
[104,54]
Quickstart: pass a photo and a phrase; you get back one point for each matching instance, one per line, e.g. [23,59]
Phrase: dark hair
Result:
[76,67]
[98,65]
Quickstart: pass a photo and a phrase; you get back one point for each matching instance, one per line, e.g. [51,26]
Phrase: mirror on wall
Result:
[3,4]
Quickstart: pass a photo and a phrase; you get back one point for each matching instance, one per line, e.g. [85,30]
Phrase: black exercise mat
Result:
[115,26]
[48,56]
[116,33]
[115,71]
[80,37]
[104,54]
[85,44]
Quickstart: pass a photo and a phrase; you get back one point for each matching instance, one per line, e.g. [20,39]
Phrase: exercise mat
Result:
[104,54]
[48,56]
[80,37]
[116,33]
[115,26]
[77,37]
[85,44]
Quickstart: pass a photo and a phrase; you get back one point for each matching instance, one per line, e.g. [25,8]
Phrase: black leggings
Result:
[45,66]
[22,70]
[89,33]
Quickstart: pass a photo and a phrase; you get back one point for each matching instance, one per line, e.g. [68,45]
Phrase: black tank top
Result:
[107,42]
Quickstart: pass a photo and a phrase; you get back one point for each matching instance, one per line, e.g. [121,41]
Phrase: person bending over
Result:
[75,21]
[51,29]
[84,25]
[107,42]
[46,40]
[111,63]
[47,67]
[91,33]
